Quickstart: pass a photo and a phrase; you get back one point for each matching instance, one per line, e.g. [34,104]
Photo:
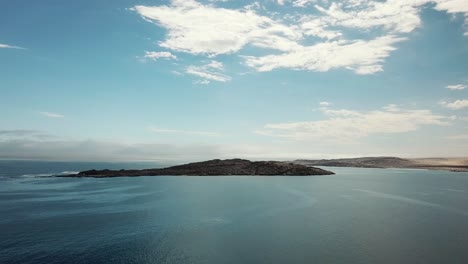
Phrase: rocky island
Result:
[214,168]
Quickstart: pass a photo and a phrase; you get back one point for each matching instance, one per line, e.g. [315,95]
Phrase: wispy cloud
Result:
[5,46]
[456,87]
[213,71]
[348,125]
[188,132]
[202,82]
[29,134]
[155,55]
[103,150]
[51,115]
[455,105]
[17,132]
[462,136]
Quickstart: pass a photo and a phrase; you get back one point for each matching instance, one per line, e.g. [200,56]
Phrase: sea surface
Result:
[355,216]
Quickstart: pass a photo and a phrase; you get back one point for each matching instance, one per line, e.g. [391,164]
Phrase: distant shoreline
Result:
[445,164]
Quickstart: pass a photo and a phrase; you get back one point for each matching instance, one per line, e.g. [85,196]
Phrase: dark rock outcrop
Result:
[215,168]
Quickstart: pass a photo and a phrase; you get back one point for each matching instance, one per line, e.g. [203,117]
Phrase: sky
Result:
[186,80]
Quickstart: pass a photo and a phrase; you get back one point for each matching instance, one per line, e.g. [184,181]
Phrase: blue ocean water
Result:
[355,216]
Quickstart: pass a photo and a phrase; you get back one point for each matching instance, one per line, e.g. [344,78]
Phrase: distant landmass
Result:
[450,164]
[214,168]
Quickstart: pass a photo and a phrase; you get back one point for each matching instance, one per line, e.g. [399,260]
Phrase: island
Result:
[448,164]
[215,167]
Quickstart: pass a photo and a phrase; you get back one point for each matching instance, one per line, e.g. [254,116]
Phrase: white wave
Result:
[37,175]
[69,172]
[48,174]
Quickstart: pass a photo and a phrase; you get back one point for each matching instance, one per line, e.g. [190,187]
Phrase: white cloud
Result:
[397,16]
[312,26]
[455,105]
[363,57]
[300,42]
[213,71]
[303,3]
[325,104]
[347,125]
[391,108]
[205,29]
[154,55]
[451,6]
[5,46]
[51,115]
[456,87]
[188,132]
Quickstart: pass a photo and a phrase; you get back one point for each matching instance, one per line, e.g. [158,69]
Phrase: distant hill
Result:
[451,164]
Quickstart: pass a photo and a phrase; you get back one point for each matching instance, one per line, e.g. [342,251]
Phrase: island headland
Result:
[214,168]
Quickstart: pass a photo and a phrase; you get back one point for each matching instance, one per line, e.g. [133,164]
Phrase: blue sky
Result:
[190,80]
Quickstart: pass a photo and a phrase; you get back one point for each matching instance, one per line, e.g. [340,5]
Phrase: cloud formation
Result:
[299,41]
[455,105]
[205,29]
[5,46]
[23,134]
[349,125]
[212,71]
[395,16]
[51,115]
[456,87]
[155,55]
[362,57]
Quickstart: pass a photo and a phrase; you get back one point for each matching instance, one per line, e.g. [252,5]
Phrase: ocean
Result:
[356,216]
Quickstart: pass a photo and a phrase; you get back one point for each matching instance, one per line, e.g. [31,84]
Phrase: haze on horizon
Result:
[131,80]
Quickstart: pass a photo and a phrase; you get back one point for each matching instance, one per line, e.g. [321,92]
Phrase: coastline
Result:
[440,164]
